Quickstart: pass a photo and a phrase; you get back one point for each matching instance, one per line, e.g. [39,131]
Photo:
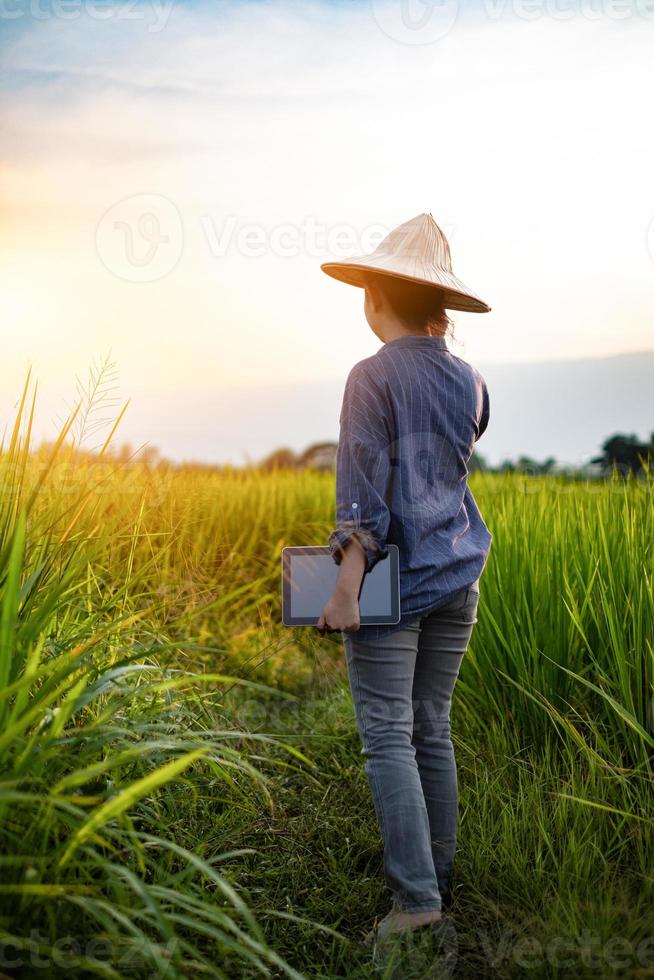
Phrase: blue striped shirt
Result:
[410,417]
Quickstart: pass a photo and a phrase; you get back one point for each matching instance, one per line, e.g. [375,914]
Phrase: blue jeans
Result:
[402,689]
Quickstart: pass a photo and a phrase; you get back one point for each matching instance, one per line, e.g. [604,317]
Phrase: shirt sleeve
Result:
[362,469]
[485,410]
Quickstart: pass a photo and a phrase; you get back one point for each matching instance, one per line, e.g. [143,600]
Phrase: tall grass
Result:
[96,730]
[568,610]
[160,817]
[567,596]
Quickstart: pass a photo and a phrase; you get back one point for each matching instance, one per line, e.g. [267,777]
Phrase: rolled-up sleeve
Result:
[363,469]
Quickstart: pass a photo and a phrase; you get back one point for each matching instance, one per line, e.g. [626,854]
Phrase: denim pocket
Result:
[469,609]
[462,607]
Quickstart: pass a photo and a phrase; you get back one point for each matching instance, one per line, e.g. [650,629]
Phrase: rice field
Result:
[181,789]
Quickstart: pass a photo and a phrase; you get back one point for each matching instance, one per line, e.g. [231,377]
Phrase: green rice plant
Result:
[567,595]
[95,731]
[162,818]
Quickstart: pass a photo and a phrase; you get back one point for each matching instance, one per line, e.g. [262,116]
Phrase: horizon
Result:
[241,424]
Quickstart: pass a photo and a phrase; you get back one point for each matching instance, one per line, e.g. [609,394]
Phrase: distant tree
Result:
[319,456]
[625,453]
[124,453]
[477,463]
[149,456]
[279,459]
[525,464]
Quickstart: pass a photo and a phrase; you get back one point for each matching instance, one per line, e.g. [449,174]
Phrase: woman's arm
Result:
[342,610]
[362,514]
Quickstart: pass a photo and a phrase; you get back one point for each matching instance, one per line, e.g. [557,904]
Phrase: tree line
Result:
[626,454]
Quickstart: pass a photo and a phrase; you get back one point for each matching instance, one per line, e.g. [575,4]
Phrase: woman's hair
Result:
[419,306]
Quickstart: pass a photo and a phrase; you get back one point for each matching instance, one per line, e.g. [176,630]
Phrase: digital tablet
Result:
[308,580]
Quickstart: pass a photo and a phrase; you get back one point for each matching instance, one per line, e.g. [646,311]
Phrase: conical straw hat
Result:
[417,251]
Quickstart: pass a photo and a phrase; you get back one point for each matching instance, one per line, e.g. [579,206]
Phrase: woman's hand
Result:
[342,610]
[340,613]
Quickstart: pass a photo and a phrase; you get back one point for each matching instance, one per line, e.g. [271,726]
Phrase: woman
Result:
[410,418]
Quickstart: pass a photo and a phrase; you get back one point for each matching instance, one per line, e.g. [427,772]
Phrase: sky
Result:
[173,174]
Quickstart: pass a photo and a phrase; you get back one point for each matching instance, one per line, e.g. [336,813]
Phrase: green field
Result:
[181,787]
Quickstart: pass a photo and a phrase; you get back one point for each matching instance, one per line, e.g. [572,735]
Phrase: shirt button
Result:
[354,506]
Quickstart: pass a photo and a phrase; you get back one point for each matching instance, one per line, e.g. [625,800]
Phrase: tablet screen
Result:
[310,576]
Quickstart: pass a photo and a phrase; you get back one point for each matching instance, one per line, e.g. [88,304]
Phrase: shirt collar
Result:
[418,340]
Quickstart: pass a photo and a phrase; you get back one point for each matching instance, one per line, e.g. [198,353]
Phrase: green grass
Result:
[181,786]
